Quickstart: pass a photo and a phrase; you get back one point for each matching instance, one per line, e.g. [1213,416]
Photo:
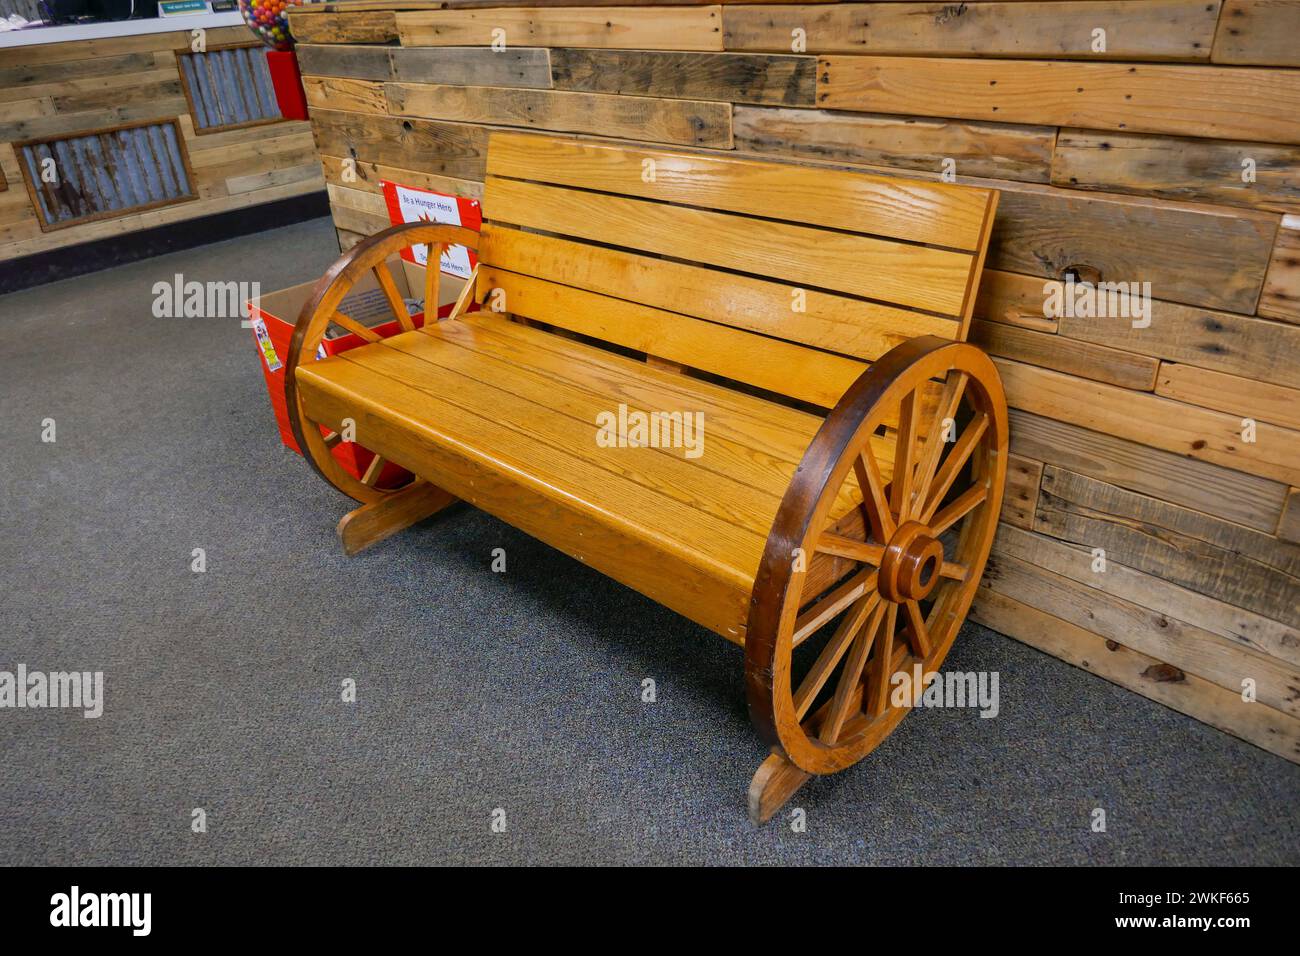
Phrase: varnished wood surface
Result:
[522,403]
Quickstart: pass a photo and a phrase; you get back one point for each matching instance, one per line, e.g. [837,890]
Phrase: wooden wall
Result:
[61,89]
[1120,155]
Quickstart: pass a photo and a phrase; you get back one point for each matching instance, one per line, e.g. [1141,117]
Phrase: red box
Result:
[273,318]
[286,80]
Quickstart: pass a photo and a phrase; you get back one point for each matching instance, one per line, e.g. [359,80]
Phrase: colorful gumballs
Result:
[268,19]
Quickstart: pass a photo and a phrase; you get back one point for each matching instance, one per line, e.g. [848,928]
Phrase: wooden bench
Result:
[848,483]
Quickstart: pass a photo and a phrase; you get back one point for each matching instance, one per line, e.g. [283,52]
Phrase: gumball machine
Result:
[269,19]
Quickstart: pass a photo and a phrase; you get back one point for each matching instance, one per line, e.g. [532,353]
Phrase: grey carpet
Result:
[477,690]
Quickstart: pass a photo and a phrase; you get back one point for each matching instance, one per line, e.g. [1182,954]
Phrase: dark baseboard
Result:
[69,261]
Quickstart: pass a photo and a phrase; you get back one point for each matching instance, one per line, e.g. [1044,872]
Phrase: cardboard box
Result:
[273,319]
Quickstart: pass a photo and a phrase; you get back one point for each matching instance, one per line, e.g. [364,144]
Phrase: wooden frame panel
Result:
[190,92]
[114,213]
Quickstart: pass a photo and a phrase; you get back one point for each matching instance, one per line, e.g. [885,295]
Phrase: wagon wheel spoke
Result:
[900,489]
[960,506]
[951,569]
[840,546]
[432,278]
[345,321]
[918,635]
[395,300]
[831,654]
[821,613]
[881,669]
[373,471]
[953,390]
[879,518]
[850,677]
[952,465]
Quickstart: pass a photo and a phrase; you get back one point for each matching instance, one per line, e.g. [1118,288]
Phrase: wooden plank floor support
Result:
[379,520]
[775,782]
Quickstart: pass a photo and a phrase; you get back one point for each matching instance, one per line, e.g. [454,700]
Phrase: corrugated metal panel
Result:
[230,87]
[107,173]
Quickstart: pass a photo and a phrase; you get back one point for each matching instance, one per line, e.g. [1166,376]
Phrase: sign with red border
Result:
[413,204]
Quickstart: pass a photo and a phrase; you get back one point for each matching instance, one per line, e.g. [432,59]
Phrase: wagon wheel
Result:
[321,311]
[911,558]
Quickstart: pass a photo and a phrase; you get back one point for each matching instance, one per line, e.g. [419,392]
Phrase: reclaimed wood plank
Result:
[1245,627]
[637,28]
[15,79]
[458,150]
[1189,694]
[1043,230]
[1256,348]
[1260,175]
[525,67]
[993,150]
[366,26]
[1258,32]
[1014,299]
[346,62]
[360,174]
[676,122]
[1168,639]
[61,124]
[1084,359]
[728,77]
[1234,564]
[1217,102]
[1280,298]
[1288,525]
[1199,433]
[1020,497]
[1233,495]
[1230,393]
[337,93]
[1134,29]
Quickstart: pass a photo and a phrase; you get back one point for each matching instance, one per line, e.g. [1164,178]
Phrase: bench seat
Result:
[502,414]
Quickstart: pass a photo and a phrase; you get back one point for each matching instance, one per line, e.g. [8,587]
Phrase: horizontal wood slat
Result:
[729,77]
[1259,32]
[1196,432]
[369,26]
[1187,693]
[906,275]
[637,28]
[864,330]
[1134,29]
[913,211]
[770,364]
[1192,649]
[682,122]
[1233,495]
[445,149]
[1258,633]
[1218,102]
[1232,564]
[1262,175]
[994,150]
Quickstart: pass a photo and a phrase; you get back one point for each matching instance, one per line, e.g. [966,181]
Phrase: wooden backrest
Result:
[782,277]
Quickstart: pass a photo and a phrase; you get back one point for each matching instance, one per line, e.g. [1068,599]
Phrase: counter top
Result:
[35,36]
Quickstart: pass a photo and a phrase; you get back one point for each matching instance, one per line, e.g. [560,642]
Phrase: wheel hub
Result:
[910,568]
